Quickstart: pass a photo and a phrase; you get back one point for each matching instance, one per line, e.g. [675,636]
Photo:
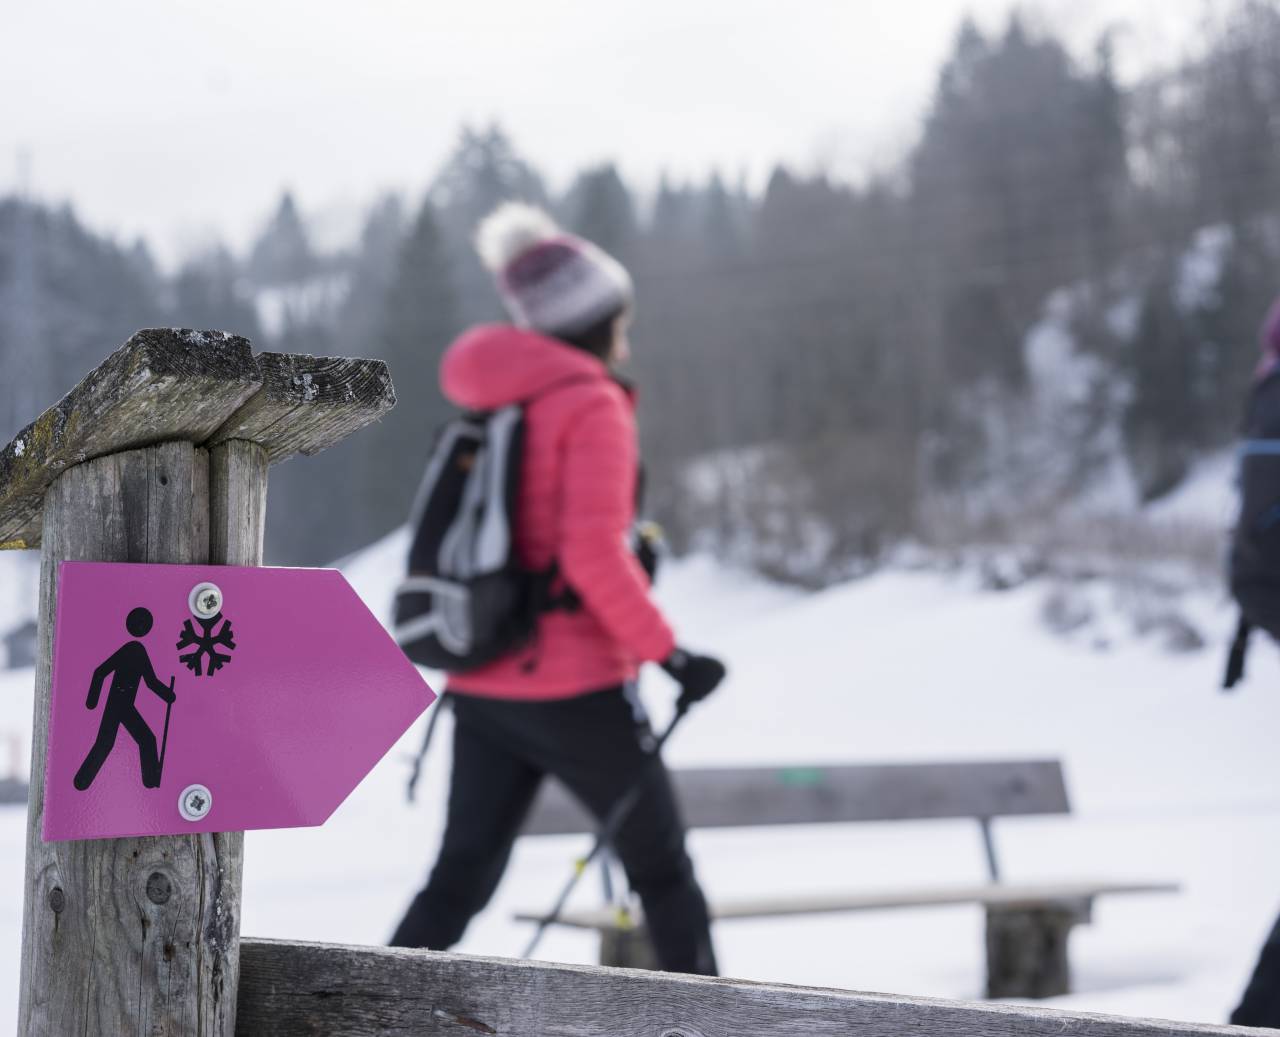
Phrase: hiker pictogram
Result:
[128,668]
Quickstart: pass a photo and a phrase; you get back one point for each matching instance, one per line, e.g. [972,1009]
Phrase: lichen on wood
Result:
[164,384]
[201,387]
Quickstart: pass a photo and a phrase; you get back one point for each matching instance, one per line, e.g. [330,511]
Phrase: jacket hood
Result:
[495,365]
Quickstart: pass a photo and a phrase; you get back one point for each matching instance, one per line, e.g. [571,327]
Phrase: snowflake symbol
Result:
[206,644]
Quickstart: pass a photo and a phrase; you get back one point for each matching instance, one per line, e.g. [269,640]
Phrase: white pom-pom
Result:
[512,228]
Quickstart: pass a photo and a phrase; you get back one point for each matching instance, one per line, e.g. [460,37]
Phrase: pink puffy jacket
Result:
[576,505]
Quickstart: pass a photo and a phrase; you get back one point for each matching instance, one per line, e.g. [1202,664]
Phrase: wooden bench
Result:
[1027,924]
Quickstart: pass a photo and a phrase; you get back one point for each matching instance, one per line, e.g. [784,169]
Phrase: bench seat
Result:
[1027,924]
[1002,896]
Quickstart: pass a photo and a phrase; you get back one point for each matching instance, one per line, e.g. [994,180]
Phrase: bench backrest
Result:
[724,797]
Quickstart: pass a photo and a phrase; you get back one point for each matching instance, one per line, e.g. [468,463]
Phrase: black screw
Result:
[159,889]
[57,900]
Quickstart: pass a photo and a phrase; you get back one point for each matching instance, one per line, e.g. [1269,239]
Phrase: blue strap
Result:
[1260,448]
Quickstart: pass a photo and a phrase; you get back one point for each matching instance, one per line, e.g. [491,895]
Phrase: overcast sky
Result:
[183,120]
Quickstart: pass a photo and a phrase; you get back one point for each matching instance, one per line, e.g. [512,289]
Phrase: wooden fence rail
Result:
[296,989]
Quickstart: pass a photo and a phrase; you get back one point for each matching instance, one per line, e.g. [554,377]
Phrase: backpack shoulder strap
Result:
[442,449]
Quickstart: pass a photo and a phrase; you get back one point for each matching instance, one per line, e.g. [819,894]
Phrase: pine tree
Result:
[207,294]
[420,319]
[1162,425]
[372,272]
[721,222]
[599,207]
[672,228]
[1227,327]
[1236,150]
[282,254]
[483,171]
[66,296]
[1021,171]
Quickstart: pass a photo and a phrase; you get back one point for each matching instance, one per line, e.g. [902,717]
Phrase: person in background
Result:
[1255,584]
[565,705]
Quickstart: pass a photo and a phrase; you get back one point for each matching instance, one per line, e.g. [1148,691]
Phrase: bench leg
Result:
[1027,949]
[627,949]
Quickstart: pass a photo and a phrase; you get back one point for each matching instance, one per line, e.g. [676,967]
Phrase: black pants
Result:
[597,745]
[1260,1005]
[114,718]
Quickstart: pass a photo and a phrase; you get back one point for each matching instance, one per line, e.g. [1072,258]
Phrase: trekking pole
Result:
[164,741]
[416,771]
[612,823]
[1235,660]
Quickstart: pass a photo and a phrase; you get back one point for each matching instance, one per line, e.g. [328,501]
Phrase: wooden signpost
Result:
[160,455]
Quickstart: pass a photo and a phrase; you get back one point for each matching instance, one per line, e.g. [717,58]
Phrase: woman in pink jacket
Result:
[566,705]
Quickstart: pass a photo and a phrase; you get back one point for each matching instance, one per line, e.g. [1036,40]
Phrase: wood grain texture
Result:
[237,524]
[163,384]
[290,990]
[237,502]
[99,956]
[1009,897]
[202,387]
[308,403]
[719,797]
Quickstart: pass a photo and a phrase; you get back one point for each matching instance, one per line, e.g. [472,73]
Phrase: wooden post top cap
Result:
[203,387]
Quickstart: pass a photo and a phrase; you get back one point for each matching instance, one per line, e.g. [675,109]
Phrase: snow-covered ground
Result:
[1170,780]
[1207,495]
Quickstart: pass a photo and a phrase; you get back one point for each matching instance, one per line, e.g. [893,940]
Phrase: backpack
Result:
[1255,543]
[466,599]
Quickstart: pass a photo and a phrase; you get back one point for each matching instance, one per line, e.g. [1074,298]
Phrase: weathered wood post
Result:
[159,455]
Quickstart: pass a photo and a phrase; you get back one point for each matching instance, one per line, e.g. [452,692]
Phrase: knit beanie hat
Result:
[550,281]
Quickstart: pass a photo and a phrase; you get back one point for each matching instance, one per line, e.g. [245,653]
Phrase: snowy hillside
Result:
[1207,496]
[1164,772]
[1170,780]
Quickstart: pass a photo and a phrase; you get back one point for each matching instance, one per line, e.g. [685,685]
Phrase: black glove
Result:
[697,675]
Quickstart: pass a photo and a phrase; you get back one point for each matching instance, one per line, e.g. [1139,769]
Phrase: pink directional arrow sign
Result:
[191,698]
